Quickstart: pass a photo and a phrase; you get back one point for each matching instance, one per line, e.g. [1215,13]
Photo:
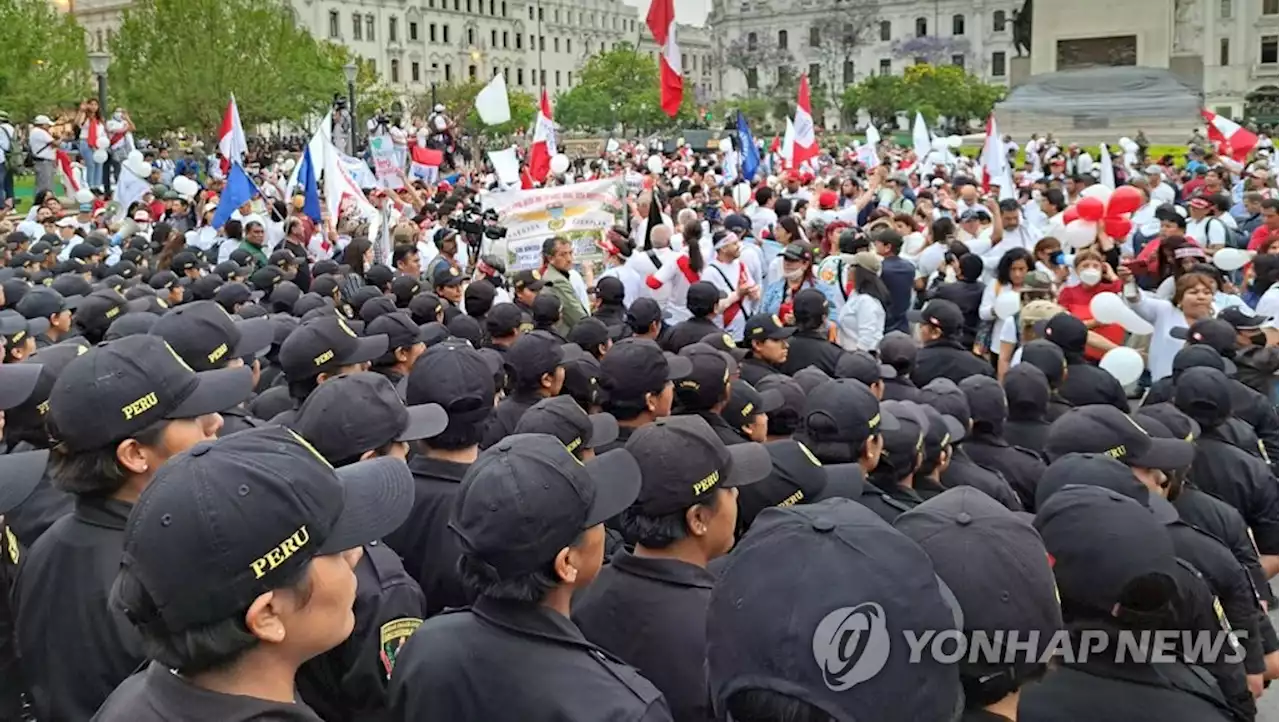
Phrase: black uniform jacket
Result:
[429,549]
[946,358]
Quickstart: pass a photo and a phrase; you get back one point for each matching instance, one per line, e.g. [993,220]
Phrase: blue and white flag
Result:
[307,177]
[238,191]
[748,151]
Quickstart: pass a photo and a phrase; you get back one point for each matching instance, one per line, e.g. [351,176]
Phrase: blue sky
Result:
[692,12]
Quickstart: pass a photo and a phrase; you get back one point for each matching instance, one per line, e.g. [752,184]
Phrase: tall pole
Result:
[102,116]
[351,105]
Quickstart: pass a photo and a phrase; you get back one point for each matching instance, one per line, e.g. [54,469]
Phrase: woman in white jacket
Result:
[1192,301]
[860,322]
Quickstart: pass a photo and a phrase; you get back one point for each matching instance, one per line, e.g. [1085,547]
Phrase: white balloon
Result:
[742,194]
[1080,233]
[1007,304]
[1108,307]
[654,164]
[1231,259]
[139,168]
[185,187]
[954,141]
[1099,191]
[726,145]
[102,142]
[938,144]
[1124,363]
[99,156]
[288,165]
[135,154]
[559,163]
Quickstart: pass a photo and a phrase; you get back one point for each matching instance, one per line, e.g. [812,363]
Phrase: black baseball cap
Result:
[898,350]
[842,411]
[941,314]
[228,520]
[527,497]
[281,258]
[232,271]
[1048,357]
[232,293]
[16,329]
[400,331]
[528,280]
[404,288]
[563,418]
[1065,330]
[434,332]
[207,337]
[803,581]
[724,342]
[43,302]
[130,324]
[455,376]
[996,565]
[702,297]
[379,275]
[1179,424]
[809,306]
[375,307]
[97,310]
[941,432]
[184,261]
[904,444]
[582,381]
[1027,391]
[1195,355]
[325,344]
[20,474]
[425,307]
[1104,429]
[704,385]
[1204,394]
[747,402]
[311,301]
[265,278]
[797,477]
[480,294]
[764,327]
[503,319]
[643,313]
[1101,470]
[1215,333]
[589,333]
[148,303]
[1241,319]
[634,367]
[946,397]
[1103,544]
[17,383]
[537,353]
[864,367]
[72,284]
[121,387]
[466,327]
[682,461]
[545,309]
[610,290]
[988,407]
[354,413]
[25,386]
[810,378]
[446,275]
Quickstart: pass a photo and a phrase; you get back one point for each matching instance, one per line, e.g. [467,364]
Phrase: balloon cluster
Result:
[1100,205]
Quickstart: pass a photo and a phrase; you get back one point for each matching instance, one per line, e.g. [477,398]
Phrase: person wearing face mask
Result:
[1192,301]
[1095,277]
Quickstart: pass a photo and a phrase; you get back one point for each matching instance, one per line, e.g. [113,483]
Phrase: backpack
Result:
[1235,238]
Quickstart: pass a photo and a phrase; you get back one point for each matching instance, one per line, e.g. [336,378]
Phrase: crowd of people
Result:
[277,470]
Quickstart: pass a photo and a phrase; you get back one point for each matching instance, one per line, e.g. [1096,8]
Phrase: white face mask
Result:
[795,275]
[1090,276]
[950,275]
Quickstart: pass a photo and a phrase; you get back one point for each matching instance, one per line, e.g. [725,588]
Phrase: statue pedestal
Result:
[1019,70]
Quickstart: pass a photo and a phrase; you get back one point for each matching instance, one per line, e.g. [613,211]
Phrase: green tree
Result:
[948,91]
[755,109]
[459,100]
[881,96]
[175,63]
[620,87]
[43,64]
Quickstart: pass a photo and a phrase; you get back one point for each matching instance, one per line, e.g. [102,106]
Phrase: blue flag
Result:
[748,152]
[310,190]
[238,191]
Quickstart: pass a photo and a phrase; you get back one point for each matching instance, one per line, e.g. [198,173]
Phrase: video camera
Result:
[476,222]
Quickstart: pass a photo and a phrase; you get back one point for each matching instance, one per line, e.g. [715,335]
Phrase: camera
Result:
[476,222]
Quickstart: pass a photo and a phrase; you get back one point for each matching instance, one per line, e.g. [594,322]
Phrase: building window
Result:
[357,27]
[557,78]
[493,38]
[848,72]
[957,25]
[569,78]
[392,30]
[415,71]
[1271,7]
[519,41]
[886,66]
[555,44]
[368,28]
[997,21]
[886,31]
[506,39]
[542,43]
[753,78]
[471,36]
[444,34]
[413,31]
[471,72]
[431,32]
[519,76]
[395,70]
[448,72]
[957,60]
[542,78]
[533,43]
[491,12]
[922,27]
[530,12]
[334,30]
[506,75]
[540,15]
[373,67]
[557,16]
[568,45]
[1224,51]
[997,64]
[504,8]
[815,36]
[751,41]
[1224,9]
[782,39]
[1269,49]
[468,5]
[684,60]
[815,73]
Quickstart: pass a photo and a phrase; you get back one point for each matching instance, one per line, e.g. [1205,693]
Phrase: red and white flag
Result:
[662,23]
[1232,140]
[67,170]
[544,141]
[806,143]
[995,162]
[231,140]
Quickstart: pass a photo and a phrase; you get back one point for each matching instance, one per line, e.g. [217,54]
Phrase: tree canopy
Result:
[932,90]
[459,100]
[43,63]
[620,86]
[175,63]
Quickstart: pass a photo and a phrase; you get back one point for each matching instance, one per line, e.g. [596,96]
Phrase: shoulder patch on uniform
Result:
[391,638]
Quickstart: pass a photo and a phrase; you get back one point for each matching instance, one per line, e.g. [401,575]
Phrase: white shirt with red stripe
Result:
[734,318]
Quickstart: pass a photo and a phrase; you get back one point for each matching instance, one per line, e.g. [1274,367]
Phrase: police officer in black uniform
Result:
[319,349]
[536,362]
[1048,357]
[842,425]
[949,401]
[767,342]
[529,519]
[899,350]
[889,490]
[1085,382]
[701,300]
[986,445]
[943,356]
[811,346]
[117,412]
[704,391]
[1027,390]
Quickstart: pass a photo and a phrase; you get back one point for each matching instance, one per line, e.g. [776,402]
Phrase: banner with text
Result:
[580,212]
[386,165]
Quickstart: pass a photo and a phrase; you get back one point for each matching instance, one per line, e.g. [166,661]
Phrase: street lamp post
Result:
[99,62]
[350,70]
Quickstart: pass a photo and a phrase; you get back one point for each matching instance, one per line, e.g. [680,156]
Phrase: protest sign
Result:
[580,212]
[385,166]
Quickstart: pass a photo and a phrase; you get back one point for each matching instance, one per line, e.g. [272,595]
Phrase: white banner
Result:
[580,212]
[386,166]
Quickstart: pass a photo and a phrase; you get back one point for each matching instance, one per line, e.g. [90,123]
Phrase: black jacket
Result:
[12,688]
[689,332]
[887,500]
[74,648]
[901,389]
[238,419]
[158,695]
[1087,384]
[1029,434]
[811,348]
[1251,407]
[947,358]
[664,603]
[1223,522]
[1255,367]
[1057,406]
[1244,482]
[501,660]
[349,682]
[964,471]
[505,416]
[968,296]
[39,511]
[429,550]
[1022,468]
[1197,611]
[753,369]
[611,315]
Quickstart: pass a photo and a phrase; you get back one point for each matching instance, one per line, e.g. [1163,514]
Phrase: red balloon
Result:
[1125,199]
[1069,215]
[1117,227]
[1090,209]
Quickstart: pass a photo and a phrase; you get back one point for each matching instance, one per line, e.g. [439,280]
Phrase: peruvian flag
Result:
[995,162]
[231,140]
[67,170]
[544,141]
[1232,140]
[662,23]
[806,145]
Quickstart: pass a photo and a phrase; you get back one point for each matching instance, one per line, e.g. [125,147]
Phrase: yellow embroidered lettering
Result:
[132,410]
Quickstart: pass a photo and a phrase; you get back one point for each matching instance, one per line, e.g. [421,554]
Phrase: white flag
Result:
[319,147]
[873,135]
[1107,172]
[492,103]
[921,142]
[506,166]
[788,143]
[339,184]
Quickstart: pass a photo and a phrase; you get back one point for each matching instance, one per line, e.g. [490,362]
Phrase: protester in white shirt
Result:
[860,321]
[44,149]
[669,283]
[728,273]
[1203,226]
[1192,300]
[761,212]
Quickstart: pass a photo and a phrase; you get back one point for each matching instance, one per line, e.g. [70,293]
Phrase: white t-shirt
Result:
[727,277]
[1207,232]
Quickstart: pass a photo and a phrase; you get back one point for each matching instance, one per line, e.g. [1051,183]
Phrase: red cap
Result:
[1199,202]
[793,175]
[827,200]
